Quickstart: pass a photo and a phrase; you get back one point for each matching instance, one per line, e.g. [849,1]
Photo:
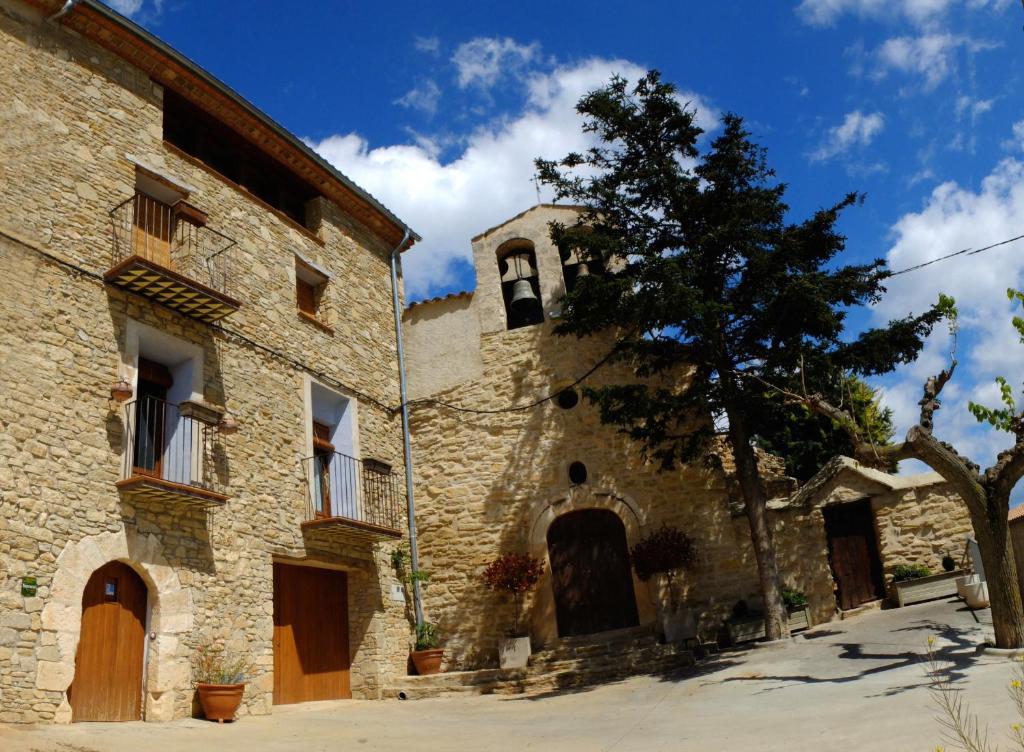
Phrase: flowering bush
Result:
[514,574]
[662,552]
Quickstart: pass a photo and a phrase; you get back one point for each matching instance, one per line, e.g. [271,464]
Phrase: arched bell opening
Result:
[520,283]
[111,654]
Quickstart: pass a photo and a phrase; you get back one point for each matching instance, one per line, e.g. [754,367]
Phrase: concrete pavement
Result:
[853,685]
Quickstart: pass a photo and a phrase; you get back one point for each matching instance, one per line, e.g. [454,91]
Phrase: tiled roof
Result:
[1016,513]
[449,296]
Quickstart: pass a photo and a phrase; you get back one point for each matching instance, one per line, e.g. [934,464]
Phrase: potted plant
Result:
[915,583]
[667,552]
[220,678]
[514,574]
[426,655]
[795,602]
[745,624]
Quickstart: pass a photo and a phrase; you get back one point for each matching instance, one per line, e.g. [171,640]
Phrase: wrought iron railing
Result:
[175,238]
[166,443]
[341,486]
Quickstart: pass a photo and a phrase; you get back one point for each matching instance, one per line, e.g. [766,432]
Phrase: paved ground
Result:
[853,685]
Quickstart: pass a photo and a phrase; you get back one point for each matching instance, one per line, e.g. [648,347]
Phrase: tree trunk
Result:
[992,532]
[756,503]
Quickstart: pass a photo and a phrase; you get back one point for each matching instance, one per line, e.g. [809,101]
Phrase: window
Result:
[218,146]
[310,286]
[335,479]
[520,284]
[567,399]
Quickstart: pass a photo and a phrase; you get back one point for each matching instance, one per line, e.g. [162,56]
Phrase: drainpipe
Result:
[414,556]
[68,6]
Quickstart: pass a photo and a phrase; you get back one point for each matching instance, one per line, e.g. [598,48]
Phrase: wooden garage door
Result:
[108,664]
[311,658]
[590,573]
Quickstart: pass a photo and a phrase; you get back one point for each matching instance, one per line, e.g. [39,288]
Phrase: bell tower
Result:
[520,283]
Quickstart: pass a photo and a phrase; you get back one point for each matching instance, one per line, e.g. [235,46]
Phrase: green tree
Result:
[705,277]
[807,440]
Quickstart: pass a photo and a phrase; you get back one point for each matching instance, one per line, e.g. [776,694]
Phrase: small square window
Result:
[310,286]
[110,589]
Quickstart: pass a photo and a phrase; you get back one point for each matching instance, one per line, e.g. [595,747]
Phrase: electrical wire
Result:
[967,251]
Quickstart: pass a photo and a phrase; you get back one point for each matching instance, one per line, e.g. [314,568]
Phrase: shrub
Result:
[904,572]
[664,551]
[948,563]
[213,664]
[793,598]
[514,574]
[427,637]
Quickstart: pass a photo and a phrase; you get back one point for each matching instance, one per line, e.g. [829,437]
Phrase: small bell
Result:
[522,295]
[582,270]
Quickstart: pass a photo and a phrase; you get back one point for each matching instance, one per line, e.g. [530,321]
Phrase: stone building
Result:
[548,479]
[197,339]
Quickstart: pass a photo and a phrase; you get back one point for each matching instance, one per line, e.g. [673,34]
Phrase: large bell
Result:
[522,295]
[582,270]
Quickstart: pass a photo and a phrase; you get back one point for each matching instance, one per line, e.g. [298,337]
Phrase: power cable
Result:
[967,251]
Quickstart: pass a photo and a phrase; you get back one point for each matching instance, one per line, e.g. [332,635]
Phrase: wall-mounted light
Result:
[121,391]
[228,425]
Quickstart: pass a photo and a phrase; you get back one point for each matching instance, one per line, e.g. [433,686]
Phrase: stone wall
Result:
[490,483]
[76,121]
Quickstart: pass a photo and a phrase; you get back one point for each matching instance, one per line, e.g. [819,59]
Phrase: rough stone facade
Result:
[488,483]
[77,121]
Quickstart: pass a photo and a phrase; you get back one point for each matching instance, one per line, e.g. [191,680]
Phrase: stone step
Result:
[567,652]
[548,676]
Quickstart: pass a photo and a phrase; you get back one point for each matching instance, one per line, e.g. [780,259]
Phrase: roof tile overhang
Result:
[174,71]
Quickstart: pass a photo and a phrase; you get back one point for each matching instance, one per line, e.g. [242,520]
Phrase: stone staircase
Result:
[569,664]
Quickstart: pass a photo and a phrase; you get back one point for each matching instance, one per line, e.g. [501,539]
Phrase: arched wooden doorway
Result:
[111,647]
[590,573]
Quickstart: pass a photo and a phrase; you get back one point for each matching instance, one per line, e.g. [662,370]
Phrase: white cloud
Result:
[1017,142]
[925,13]
[429,45]
[132,8]
[953,218]
[933,57]
[973,107]
[484,60]
[125,7]
[490,180]
[423,97]
[857,129]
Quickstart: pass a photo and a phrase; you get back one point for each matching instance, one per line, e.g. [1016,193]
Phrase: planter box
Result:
[927,588]
[799,620]
[746,630]
[513,652]
[678,626]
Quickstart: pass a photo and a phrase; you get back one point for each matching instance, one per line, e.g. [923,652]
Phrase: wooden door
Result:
[311,654]
[323,455]
[152,229]
[590,573]
[150,417]
[853,553]
[109,662]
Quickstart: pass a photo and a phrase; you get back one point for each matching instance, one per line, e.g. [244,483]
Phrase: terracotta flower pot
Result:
[427,661]
[220,701]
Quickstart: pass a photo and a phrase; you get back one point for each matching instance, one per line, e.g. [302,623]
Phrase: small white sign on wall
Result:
[397,592]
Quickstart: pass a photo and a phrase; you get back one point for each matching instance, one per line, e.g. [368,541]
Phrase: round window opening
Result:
[578,473]
[567,399]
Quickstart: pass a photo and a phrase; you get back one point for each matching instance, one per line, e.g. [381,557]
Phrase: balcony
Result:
[350,500]
[167,253]
[169,455]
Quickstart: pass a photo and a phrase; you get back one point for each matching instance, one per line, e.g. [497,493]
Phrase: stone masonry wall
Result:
[75,119]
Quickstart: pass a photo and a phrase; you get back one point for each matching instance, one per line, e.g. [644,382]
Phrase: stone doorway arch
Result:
[167,675]
[543,621]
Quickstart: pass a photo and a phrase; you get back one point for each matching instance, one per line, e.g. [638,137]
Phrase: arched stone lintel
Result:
[544,625]
[170,615]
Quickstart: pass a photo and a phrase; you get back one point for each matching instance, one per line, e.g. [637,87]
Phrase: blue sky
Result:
[439,110]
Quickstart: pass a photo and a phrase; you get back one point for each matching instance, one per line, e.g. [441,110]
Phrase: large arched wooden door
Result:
[590,573]
[109,661]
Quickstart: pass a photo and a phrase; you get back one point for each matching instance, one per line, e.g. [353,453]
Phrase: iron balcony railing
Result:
[175,238]
[166,444]
[339,486]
